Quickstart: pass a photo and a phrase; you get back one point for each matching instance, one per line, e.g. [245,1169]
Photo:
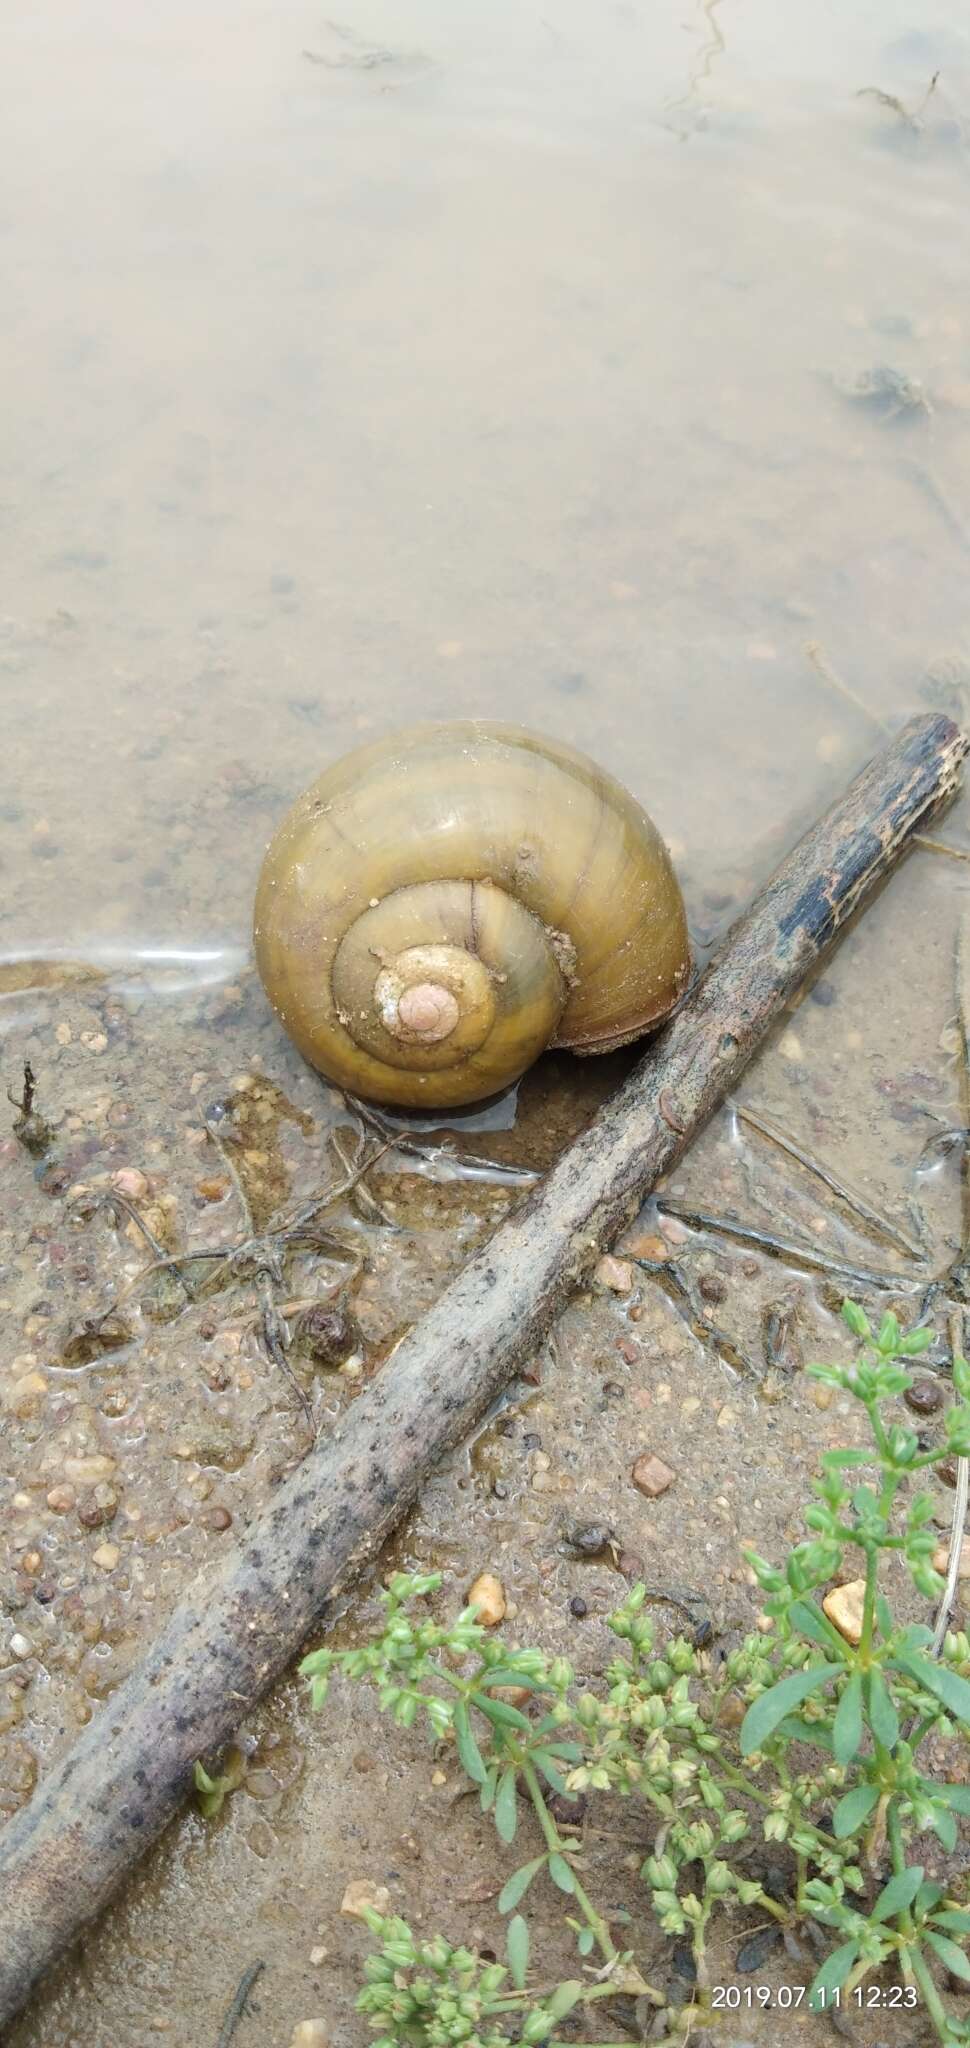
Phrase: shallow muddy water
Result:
[606,367]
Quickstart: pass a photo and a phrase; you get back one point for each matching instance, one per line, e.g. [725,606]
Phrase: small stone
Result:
[61,1499]
[712,1287]
[90,1471]
[361,1892]
[588,1539]
[487,1594]
[578,1608]
[106,1556]
[97,1506]
[651,1476]
[941,1559]
[948,1470]
[310,2033]
[318,1956]
[924,1397]
[823,992]
[26,1395]
[327,1335]
[21,1647]
[646,1246]
[212,1190]
[617,1274]
[216,1517]
[844,1605]
[823,1396]
[131,1183]
[439,1778]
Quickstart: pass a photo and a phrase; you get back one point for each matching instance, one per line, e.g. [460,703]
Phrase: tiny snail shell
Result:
[441,906]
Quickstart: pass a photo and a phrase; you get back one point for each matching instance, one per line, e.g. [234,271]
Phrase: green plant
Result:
[827,1759]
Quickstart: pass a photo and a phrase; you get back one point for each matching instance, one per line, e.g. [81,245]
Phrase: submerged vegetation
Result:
[814,1734]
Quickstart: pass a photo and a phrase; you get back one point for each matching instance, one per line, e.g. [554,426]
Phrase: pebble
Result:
[844,1607]
[578,1608]
[651,1476]
[106,1556]
[61,1499]
[310,2033]
[941,1559]
[617,1274]
[89,1471]
[924,1397]
[488,1595]
[216,1517]
[646,1246]
[97,1506]
[712,1287]
[361,1892]
[131,1183]
[21,1647]
[214,1190]
[26,1396]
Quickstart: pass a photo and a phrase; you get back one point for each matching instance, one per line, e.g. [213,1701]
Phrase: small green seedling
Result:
[829,1759]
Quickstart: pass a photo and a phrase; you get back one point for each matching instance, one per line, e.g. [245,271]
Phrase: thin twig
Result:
[238,2006]
[827,674]
[273,1338]
[216,1138]
[846,1194]
[785,1248]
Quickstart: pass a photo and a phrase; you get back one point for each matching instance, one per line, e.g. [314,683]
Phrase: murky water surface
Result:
[603,366]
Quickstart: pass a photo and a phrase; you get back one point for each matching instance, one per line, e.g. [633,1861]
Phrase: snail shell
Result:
[441,906]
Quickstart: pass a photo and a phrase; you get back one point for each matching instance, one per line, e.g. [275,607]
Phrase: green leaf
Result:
[958,1923]
[471,1757]
[500,1714]
[944,1684]
[832,1975]
[799,1730]
[883,1718]
[945,1828]
[888,1338]
[505,1807]
[585,1941]
[564,1998]
[898,1893]
[517,1950]
[856,1319]
[840,1460]
[950,1954]
[770,1707]
[957,1796]
[547,1767]
[561,1874]
[853,1810]
[847,1726]
[812,1622]
[510,1676]
[488,1789]
[516,1886]
[884,1615]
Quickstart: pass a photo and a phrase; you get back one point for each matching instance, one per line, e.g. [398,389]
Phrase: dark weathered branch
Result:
[237,1628]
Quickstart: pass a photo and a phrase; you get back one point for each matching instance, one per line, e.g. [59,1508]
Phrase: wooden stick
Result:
[237,1628]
